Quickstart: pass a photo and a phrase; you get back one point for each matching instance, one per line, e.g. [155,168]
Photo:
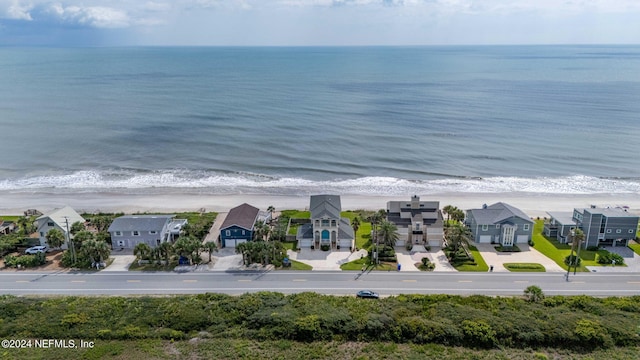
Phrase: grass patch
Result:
[555,250]
[297,265]
[296,214]
[524,267]
[293,229]
[152,267]
[478,264]
[290,245]
[359,264]
[635,247]
[12,218]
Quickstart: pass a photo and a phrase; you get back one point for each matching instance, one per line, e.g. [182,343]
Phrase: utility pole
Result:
[69,241]
[571,258]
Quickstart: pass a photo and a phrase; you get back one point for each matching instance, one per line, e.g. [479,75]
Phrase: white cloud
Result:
[92,16]
[15,10]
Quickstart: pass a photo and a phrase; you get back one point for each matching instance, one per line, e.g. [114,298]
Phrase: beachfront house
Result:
[239,225]
[7,227]
[327,229]
[499,223]
[606,226]
[418,222]
[130,230]
[559,226]
[60,219]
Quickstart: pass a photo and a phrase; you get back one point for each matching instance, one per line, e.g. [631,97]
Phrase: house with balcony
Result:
[239,225]
[130,230]
[559,226]
[326,226]
[418,222]
[499,223]
[60,219]
[606,226]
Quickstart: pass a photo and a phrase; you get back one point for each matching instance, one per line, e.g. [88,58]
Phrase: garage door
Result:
[305,244]
[522,239]
[400,243]
[485,239]
[231,243]
[435,243]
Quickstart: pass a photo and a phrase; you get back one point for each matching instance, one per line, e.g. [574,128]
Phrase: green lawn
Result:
[358,264]
[480,264]
[13,218]
[524,267]
[558,252]
[290,245]
[152,267]
[296,214]
[297,265]
[635,247]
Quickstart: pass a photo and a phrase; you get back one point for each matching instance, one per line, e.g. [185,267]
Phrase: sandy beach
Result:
[535,205]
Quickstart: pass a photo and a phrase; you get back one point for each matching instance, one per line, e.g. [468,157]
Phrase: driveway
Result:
[526,255]
[436,256]
[325,260]
[122,259]
[631,259]
[226,259]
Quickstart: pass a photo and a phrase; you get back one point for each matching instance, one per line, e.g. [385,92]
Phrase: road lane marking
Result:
[133,281]
[78,281]
[299,279]
[244,280]
[190,281]
[410,281]
[577,282]
[465,281]
[633,282]
[521,281]
[22,281]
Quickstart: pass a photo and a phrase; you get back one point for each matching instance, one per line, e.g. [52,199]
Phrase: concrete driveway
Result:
[325,260]
[631,259]
[526,255]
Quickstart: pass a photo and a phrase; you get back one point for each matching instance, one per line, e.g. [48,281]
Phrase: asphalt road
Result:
[337,283]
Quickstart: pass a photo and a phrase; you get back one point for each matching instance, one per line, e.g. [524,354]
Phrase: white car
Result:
[37,249]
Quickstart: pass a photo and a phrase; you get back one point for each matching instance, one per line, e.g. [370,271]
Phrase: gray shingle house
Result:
[327,227]
[418,222]
[130,230]
[499,223]
[239,225]
[559,226]
[606,226]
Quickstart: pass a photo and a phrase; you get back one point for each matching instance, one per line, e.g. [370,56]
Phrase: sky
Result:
[317,22]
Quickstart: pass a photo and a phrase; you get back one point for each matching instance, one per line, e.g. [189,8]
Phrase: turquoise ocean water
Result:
[351,120]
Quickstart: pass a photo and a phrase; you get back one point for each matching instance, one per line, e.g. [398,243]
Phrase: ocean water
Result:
[348,120]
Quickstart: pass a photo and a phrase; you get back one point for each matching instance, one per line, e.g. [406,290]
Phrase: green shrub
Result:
[608,258]
[408,246]
[531,243]
[25,261]
[324,247]
[572,260]
[593,248]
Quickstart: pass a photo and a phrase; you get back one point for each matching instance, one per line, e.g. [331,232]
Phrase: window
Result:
[228,232]
[630,231]
[608,231]
[50,223]
[243,232]
[136,233]
[333,223]
[41,234]
[497,226]
[525,227]
[118,233]
[325,222]
[153,232]
[618,231]
[485,227]
[158,241]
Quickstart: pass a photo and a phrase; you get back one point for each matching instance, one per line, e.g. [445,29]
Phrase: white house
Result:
[60,219]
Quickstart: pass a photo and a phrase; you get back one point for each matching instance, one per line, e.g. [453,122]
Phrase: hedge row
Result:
[579,322]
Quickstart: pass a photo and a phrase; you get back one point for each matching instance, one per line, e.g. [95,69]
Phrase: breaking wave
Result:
[213,182]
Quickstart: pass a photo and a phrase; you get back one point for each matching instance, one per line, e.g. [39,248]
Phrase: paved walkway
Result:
[325,260]
[121,260]
[214,231]
[526,255]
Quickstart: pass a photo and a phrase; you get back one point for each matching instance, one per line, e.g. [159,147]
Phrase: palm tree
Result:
[457,236]
[83,236]
[142,251]
[55,238]
[388,231]
[76,227]
[261,231]
[26,225]
[210,246]
[97,251]
[355,224]
[166,250]
[457,215]
[188,247]
[242,248]
[271,209]
[448,210]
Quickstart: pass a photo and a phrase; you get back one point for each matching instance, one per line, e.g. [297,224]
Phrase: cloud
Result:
[92,16]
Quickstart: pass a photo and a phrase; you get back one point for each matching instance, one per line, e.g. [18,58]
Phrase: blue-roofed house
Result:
[499,223]
[130,230]
[326,227]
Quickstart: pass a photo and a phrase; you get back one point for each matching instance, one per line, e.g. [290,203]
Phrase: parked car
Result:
[37,249]
[367,294]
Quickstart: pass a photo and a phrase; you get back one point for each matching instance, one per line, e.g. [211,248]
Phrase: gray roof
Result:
[345,231]
[497,213]
[562,217]
[243,216]
[609,212]
[140,223]
[325,205]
